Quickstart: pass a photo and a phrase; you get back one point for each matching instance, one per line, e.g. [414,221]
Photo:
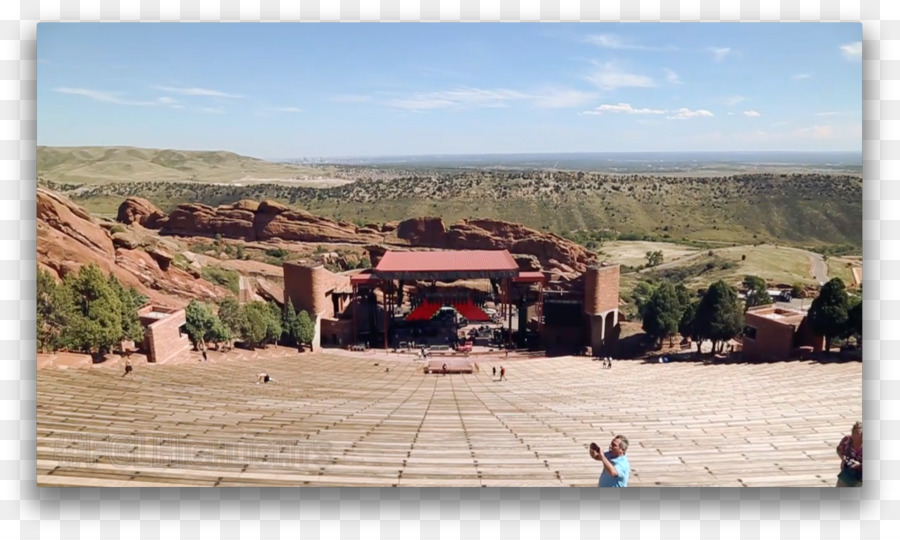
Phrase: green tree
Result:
[130,302]
[273,323]
[662,313]
[686,325]
[828,314]
[757,292]
[854,319]
[642,293]
[200,322]
[289,328]
[256,323]
[654,258]
[306,328]
[92,312]
[49,318]
[231,315]
[719,316]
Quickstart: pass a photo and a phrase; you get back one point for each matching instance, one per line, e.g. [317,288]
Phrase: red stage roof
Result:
[447,261]
[530,277]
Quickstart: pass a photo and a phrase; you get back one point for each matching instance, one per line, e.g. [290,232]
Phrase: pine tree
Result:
[306,328]
[828,315]
[662,313]
[719,316]
[232,316]
[92,312]
[289,324]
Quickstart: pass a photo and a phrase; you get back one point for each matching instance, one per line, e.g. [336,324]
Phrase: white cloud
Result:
[623,108]
[852,51]
[685,113]
[610,77]
[801,76]
[106,97]
[165,100]
[613,41]
[211,110]
[751,113]
[478,97]
[734,100]
[829,113]
[462,97]
[198,92]
[672,77]
[719,53]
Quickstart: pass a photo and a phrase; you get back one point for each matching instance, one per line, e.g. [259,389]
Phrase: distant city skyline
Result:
[282,91]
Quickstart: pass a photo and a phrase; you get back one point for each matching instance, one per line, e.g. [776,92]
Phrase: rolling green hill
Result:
[808,210]
[100,165]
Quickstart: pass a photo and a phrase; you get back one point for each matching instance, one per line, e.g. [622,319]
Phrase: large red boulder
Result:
[141,211]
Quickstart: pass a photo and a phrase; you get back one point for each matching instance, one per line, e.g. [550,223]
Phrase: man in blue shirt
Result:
[616,468]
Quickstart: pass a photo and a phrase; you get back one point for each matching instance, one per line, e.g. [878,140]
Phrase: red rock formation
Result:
[231,221]
[61,215]
[423,232]
[275,220]
[140,211]
[69,238]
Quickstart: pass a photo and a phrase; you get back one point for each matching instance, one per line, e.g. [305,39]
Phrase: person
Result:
[129,370]
[850,450]
[263,377]
[444,369]
[502,373]
[205,359]
[494,374]
[616,468]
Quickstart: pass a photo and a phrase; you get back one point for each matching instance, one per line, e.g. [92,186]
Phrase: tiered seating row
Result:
[335,419]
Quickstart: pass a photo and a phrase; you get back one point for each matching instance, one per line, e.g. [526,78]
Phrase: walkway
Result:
[376,420]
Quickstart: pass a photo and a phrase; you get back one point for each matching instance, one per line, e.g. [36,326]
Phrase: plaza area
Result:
[336,418]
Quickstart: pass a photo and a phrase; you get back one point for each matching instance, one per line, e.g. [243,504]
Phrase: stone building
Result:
[775,333]
[165,336]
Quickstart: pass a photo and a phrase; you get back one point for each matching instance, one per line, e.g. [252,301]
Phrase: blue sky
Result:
[319,90]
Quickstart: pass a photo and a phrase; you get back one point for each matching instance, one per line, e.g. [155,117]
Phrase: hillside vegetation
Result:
[100,165]
[810,210]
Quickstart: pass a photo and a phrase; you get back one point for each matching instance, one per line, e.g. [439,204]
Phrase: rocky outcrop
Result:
[274,220]
[231,221]
[69,238]
[423,232]
[553,252]
[252,221]
[269,220]
[63,216]
[141,211]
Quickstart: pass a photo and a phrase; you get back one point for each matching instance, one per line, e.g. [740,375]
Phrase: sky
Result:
[281,90]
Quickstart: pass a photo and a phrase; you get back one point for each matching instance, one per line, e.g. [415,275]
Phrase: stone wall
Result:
[601,289]
[163,340]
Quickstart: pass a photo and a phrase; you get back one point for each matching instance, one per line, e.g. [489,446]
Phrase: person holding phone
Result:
[850,452]
[616,468]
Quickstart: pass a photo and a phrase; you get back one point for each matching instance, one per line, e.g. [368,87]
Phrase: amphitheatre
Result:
[382,417]
[336,418]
